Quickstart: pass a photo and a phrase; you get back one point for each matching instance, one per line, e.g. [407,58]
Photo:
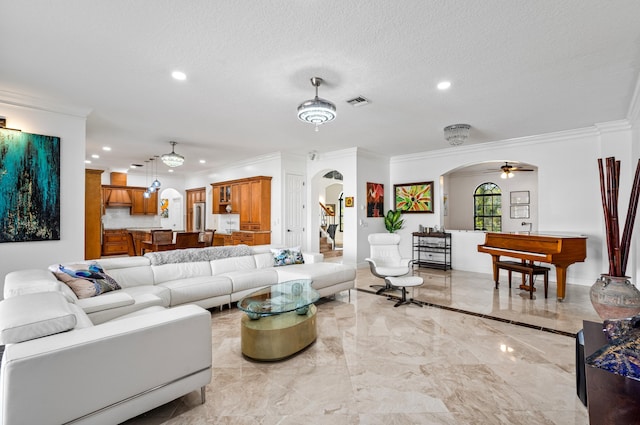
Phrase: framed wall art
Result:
[519,211]
[520,197]
[348,201]
[29,187]
[375,200]
[414,197]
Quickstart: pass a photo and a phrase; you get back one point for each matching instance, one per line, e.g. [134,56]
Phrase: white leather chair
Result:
[385,259]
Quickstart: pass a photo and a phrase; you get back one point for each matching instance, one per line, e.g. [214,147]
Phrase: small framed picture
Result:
[520,211]
[348,201]
[520,197]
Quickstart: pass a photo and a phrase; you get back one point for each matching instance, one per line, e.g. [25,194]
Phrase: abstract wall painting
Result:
[29,187]
[375,200]
[414,197]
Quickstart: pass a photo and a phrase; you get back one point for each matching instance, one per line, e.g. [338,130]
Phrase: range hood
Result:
[117,196]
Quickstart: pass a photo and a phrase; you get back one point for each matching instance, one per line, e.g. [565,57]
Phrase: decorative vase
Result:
[615,297]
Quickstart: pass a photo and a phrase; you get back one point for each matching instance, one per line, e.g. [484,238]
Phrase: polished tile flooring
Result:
[471,355]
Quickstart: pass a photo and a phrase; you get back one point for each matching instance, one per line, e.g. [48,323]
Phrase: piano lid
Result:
[564,235]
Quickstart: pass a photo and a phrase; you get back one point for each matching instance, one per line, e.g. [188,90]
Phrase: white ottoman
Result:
[403,282]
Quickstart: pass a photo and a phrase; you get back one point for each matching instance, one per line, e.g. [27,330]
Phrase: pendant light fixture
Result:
[317,110]
[156,183]
[173,159]
[151,188]
[147,193]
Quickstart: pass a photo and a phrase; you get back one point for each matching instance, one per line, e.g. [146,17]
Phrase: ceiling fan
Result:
[507,170]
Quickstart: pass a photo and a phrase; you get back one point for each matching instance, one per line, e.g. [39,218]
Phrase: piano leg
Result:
[561,278]
[495,258]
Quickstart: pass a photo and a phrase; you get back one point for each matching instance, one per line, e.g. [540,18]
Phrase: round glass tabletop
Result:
[294,295]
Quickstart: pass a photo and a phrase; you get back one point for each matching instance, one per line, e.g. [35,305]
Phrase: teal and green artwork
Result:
[29,187]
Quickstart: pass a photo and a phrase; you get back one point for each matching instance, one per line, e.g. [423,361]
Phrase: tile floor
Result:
[472,355]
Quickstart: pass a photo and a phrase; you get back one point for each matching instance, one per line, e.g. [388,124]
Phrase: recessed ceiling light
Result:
[86,161]
[94,156]
[106,148]
[443,85]
[202,161]
[179,75]
[171,170]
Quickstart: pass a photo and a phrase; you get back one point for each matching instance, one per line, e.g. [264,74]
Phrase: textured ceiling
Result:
[518,68]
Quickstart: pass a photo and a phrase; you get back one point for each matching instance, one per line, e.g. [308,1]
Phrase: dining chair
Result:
[161,236]
[131,245]
[188,240]
[206,237]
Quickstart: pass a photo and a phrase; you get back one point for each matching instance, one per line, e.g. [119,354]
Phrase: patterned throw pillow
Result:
[621,356]
[286,257]
[86,280]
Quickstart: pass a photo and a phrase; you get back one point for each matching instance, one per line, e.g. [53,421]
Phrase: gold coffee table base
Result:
[277,337]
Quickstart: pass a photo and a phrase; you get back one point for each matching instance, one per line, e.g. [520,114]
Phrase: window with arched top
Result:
[487,208]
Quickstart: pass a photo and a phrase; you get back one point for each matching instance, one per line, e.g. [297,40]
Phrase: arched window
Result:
[487,208]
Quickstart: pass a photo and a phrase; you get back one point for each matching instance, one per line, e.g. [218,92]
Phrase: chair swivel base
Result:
[404,300]
[402,283]
[383,288]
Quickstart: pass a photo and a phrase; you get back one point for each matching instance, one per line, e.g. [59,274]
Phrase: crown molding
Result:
[613,126]
[24,101]
[633,114]
[501,144]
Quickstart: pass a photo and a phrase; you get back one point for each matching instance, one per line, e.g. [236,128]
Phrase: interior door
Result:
[295,210]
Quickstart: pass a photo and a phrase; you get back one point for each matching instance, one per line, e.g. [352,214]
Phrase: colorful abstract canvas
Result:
[414,197]
[29,187]
[375,200]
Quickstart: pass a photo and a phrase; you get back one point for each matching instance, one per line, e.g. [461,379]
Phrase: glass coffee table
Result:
[280,320]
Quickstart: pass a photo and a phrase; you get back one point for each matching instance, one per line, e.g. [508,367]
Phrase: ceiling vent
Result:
[358,101]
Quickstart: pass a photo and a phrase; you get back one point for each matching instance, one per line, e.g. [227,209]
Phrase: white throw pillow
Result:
[33,316]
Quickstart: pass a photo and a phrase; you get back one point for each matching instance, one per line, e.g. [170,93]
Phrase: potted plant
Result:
[393,221]
[613,296]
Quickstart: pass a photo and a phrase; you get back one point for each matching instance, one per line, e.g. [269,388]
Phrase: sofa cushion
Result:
[178,271]
[250,279]
[106,302]
[29,281]
[33,316]
[129,271]
[197,288]
[159,291]
[225,265]
[287,256]
[322,274]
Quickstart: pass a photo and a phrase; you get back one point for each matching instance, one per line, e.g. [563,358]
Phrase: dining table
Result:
[157,246]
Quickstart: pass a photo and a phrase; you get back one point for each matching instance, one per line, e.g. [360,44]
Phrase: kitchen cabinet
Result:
[251,238]
[194,196]
[141,205]
[114,242]
[222,196]
[250,198]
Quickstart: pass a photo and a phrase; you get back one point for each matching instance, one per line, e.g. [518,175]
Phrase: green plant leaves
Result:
[393,221]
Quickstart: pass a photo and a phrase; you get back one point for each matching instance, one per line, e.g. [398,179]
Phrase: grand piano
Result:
[559,250]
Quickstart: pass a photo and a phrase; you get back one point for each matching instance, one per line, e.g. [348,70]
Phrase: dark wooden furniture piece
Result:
[161,240]
[114,242]
[526,268]
[188,240]
[559,250]
[611,399]
[206,237]
[131,245]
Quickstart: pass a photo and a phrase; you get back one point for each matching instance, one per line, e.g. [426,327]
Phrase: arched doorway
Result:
[330,199]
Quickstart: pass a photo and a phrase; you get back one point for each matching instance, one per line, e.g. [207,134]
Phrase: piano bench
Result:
[526,269]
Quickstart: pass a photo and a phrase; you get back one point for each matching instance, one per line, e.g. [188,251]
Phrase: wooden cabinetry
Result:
[114,242]
[222,196]
[250,198]
[193,196]
[93,210]
[141,205]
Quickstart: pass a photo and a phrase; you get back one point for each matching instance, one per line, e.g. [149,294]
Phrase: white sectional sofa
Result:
[115,355]
[208,277]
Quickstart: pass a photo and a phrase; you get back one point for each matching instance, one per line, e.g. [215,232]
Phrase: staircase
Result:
[326,248]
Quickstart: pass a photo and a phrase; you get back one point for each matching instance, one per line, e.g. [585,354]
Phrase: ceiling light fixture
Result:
[156,183]
[106,148]
[456,134]
[173,159]
[507,174]
[316,111]
[147,193]
[179,75]
[443,85]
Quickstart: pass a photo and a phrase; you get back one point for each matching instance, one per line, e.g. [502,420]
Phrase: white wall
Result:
[68,123]
[568,188]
